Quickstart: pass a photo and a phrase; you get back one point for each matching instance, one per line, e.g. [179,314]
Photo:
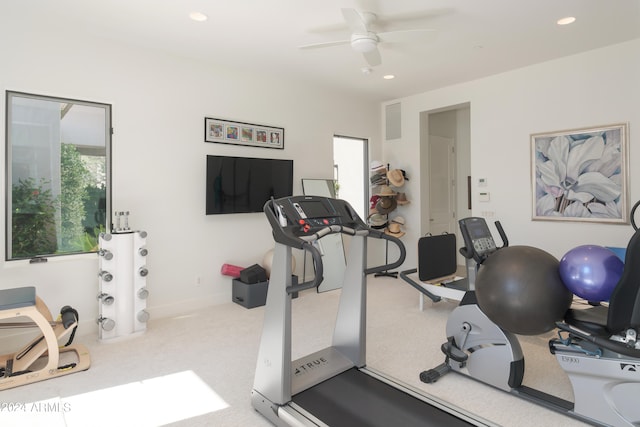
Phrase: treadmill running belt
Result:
[356,399]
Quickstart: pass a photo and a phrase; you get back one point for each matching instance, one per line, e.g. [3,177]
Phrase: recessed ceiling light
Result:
[198,16]
[566,21]
[389,77]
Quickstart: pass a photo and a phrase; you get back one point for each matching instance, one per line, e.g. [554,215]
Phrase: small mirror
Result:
[331,247]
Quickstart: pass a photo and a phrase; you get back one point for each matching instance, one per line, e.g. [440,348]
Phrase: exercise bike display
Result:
[332,386]
[596,347]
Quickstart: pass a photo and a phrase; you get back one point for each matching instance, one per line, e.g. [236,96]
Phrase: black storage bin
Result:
[254,294]
[249,295]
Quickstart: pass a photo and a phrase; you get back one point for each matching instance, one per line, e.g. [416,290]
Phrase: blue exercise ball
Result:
[591,272]
[520,290]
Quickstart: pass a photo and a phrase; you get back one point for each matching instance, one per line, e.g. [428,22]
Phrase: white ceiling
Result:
[475,38]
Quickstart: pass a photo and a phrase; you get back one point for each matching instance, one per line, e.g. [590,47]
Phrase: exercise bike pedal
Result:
[433,375]
[451,351]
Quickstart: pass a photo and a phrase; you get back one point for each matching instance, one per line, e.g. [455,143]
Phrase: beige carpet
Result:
[197,370]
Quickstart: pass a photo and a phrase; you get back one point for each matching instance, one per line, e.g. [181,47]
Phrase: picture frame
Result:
[241,133]
[581,175]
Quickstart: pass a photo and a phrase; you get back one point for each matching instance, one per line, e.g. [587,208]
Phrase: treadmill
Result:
[333,386]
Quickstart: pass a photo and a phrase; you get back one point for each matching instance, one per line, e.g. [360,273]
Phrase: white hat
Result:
[376,166]
[377,220]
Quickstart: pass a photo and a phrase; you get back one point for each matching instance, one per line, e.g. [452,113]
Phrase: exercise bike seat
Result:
[623,311]
[592,320]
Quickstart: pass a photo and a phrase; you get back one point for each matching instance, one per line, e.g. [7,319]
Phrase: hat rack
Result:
[385,202]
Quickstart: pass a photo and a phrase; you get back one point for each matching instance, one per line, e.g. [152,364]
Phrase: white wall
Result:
[159,104]
[594,88]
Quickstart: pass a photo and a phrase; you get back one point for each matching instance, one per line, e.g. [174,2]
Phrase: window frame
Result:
[108,134]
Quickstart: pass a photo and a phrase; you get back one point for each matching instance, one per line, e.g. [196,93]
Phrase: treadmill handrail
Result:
[403,252]
[282,233]
[316,257]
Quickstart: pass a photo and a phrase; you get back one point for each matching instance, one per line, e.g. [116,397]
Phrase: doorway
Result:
[442,185]
[445,149]
[350,168]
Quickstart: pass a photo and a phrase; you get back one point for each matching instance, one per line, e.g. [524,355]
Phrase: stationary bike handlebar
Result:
[466,252]
[503,235]
[469,251]
[632,215]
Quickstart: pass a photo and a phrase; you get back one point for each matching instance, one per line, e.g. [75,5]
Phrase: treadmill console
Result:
[478,240]
[305,215]
[300,221]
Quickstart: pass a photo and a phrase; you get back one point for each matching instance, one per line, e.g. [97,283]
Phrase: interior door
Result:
[442,190]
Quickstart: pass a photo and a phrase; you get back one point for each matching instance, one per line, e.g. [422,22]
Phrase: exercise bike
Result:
[597,347]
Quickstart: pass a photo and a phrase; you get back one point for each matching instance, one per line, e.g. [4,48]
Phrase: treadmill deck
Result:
[354,398]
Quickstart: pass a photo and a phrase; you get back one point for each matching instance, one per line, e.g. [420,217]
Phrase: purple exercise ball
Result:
[591,272]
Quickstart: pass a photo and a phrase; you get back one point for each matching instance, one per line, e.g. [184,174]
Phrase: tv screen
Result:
[242,184]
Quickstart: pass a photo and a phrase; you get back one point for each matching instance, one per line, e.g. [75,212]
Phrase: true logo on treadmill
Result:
[309,366]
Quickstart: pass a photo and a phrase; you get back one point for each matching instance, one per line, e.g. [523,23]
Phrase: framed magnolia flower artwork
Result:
[581,174]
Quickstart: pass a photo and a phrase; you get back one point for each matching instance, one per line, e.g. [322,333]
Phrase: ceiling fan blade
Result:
[355,21]
[326,44]
[330,28]
[373,58]
[408,36]
[370,5]
[413,17]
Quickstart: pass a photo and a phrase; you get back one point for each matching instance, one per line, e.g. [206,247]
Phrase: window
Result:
[58,175]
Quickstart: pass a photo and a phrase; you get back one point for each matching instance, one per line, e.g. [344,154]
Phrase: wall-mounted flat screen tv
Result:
[244,184]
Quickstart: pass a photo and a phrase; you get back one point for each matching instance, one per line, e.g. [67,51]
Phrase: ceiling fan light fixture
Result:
[364,43]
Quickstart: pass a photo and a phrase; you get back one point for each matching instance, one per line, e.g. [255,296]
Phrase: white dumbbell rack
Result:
[122,284]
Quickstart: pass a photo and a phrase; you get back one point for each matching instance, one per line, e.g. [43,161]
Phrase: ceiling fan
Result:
[365,40]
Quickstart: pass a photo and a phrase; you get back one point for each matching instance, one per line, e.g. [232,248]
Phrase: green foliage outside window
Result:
[82,216]
[96,217]
[74,180]
[33,220]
